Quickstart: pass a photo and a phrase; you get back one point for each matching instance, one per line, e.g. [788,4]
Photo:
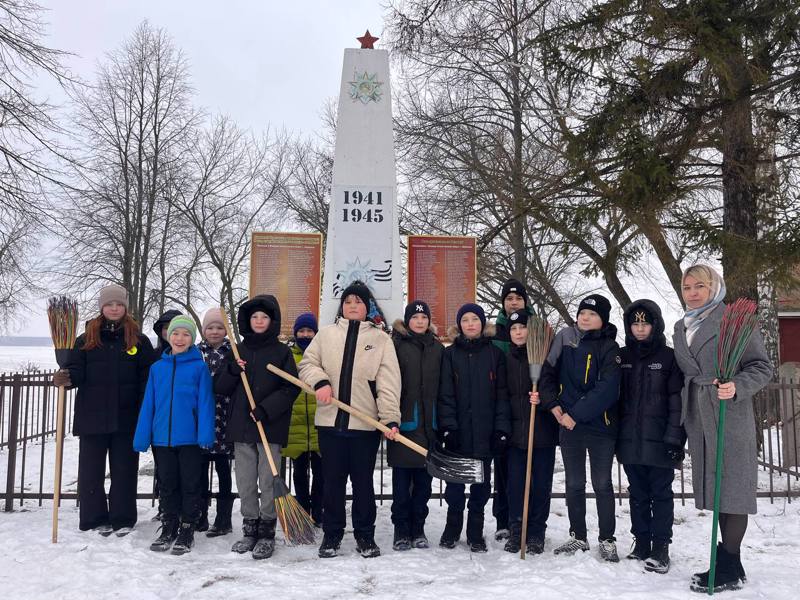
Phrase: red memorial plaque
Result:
[442,272]
[288,266]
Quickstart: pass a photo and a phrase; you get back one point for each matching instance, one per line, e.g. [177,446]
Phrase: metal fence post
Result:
[13,427]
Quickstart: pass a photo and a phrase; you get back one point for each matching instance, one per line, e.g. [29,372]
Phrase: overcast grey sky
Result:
[264,63]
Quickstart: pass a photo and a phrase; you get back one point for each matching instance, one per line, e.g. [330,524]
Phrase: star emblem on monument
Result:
[367,41]
[366,88]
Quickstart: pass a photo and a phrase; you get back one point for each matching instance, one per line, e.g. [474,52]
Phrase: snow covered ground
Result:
[19,358]
[85,565]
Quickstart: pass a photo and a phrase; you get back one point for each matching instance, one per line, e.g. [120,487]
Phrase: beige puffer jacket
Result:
[370,382]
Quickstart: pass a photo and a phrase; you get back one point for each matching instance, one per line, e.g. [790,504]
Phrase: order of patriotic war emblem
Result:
[363,270]
[365,88]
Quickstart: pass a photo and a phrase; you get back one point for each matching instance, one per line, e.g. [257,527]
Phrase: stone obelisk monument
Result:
[363,239]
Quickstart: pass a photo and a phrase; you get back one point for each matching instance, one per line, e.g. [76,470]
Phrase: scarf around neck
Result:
[694,318]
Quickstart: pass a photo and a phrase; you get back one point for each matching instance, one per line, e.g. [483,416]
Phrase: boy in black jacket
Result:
[545,439]
[651,438]
[259,321]
[580,386]
[473,416]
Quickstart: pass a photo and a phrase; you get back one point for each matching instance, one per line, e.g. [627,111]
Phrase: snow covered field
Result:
[17,358]
[85,565]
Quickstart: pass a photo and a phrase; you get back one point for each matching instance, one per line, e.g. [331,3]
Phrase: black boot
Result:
[727,575]
[249,537]
[366,546]
[202,524]
[265,545]
[640,550]
[534,545]
[452,529]
[330,545]
[169,531]
[514,538]
[475,532]
[418,538]
[222,522]
[658,561]
[185,539]
[402,538]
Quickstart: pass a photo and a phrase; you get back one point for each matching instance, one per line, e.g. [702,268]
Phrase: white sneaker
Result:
[608,551]
[572,546]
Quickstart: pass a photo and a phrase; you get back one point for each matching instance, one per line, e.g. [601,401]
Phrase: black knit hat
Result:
[598,304]
[470,308]
[518,317]
[513,286]
[416,307]
[357,288]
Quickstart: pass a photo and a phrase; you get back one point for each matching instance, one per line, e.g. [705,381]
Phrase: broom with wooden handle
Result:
[297,525]
[62,314]
[540,337]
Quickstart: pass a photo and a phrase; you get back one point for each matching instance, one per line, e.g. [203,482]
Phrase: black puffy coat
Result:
[163,345]
[473,396]
[582,375]
[545,427]
[420,359]
[111,381]
[274,394]
[650,396]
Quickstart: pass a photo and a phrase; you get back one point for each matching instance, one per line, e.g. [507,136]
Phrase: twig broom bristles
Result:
[62,313]
[540,337]
[297,525]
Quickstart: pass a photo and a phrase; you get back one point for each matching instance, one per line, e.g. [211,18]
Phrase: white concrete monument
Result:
[363,239]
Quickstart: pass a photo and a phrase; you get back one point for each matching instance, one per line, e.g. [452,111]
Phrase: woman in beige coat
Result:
[695,337]
[354,361]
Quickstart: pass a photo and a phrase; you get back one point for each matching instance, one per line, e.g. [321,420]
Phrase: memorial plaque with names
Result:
[288,266]
[442,271]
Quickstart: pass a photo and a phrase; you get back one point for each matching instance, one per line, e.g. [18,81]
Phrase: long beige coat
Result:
[700,416]
[360,357]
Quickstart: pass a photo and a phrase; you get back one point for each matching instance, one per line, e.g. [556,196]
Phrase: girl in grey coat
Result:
[703,290]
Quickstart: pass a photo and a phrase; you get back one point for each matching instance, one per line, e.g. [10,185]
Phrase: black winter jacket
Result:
[274,394]
[420,359]
[473,396]
[545,427]
[650,396]
[111,381]
[582,376]
[163,345]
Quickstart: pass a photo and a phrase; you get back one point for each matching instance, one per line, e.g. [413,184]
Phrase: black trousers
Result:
[500,505]
[348,455]
[651,498]
[179,471]
[575,445]
[544,460]
[455,494]
[222,465]
[308,483]
[411,490]
[118,508]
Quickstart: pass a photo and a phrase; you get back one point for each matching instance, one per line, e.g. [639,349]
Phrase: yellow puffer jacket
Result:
[302,433]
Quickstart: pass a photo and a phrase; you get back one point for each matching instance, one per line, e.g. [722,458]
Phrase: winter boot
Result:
[452,529]
[475,532]
[727,576]
[658,561]
[608,551]
[402,539]
[249,537]
[418,538]
[265,545]
[222,522]
[185,539]
[330,545]
[169,531]
[366,546]
[514,538]
[640,549]
[105,529]
[534,545]
[571,546]
[202,524]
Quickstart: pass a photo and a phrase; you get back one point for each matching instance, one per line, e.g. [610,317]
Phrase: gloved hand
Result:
[675,453]
[61,378]
[259,414]
[450,440]
[499,442]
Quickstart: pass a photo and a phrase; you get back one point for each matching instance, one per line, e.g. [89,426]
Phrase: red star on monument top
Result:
[368,41]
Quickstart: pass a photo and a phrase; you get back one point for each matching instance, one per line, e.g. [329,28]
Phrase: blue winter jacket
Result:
[178,407]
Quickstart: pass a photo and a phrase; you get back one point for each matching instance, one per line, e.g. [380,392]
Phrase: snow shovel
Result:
[439,463]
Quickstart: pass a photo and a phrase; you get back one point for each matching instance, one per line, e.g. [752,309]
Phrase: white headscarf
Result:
[695,316]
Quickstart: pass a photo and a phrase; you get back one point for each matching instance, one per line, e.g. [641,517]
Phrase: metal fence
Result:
[28,425]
